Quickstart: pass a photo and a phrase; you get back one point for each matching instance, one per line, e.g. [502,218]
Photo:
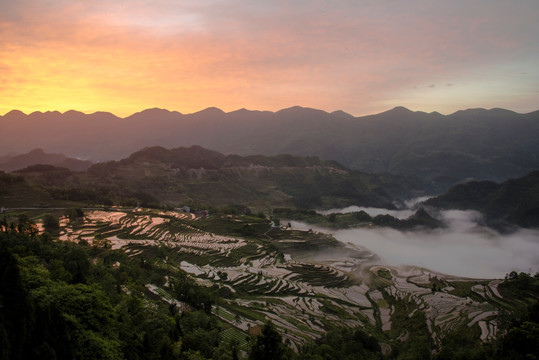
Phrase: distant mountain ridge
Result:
[38,156]
[491,144]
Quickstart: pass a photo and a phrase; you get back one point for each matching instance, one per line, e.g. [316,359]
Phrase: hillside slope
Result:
[515,201]
[195,175]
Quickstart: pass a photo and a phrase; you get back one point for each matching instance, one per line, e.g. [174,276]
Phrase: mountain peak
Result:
[153,113]
[150,111]
[398,110]
[46,113]
[295,110]
[241,111]
[470,111]
[481,112]
[103,114]
[211,111]
[74,113]
[292,108]
[36,152]
[342,114]
[14,114]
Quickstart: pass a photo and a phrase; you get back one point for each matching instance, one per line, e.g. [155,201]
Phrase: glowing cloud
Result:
[124,56]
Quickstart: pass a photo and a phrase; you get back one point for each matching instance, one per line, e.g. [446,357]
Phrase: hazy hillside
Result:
[515,201]
[157,176]
[484,144]
[38,156]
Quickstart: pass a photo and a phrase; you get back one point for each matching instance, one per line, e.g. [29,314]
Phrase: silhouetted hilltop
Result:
[515,201]
[38,156]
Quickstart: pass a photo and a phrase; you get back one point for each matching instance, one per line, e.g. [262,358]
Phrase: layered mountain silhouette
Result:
[492,144]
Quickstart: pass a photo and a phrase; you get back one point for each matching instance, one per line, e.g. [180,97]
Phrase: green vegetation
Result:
[419,342]
[463,289]
[319,275]
[384,273]
[51,223]
[269,346]
[343,344]
[73,315]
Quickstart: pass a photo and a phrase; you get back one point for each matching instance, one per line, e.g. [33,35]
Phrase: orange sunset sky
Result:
[358,56]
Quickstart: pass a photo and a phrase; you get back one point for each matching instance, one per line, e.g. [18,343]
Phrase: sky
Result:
[359,56]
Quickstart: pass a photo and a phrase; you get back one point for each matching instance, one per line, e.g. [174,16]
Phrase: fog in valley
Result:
[464,248]
[399,214]
[408,208]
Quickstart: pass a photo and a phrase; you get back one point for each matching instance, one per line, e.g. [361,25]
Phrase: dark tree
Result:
[51,223]
[268,346]
[26,226]
[15,308]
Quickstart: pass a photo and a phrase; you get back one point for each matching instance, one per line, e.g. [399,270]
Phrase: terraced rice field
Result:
[239,336]
[302,298]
